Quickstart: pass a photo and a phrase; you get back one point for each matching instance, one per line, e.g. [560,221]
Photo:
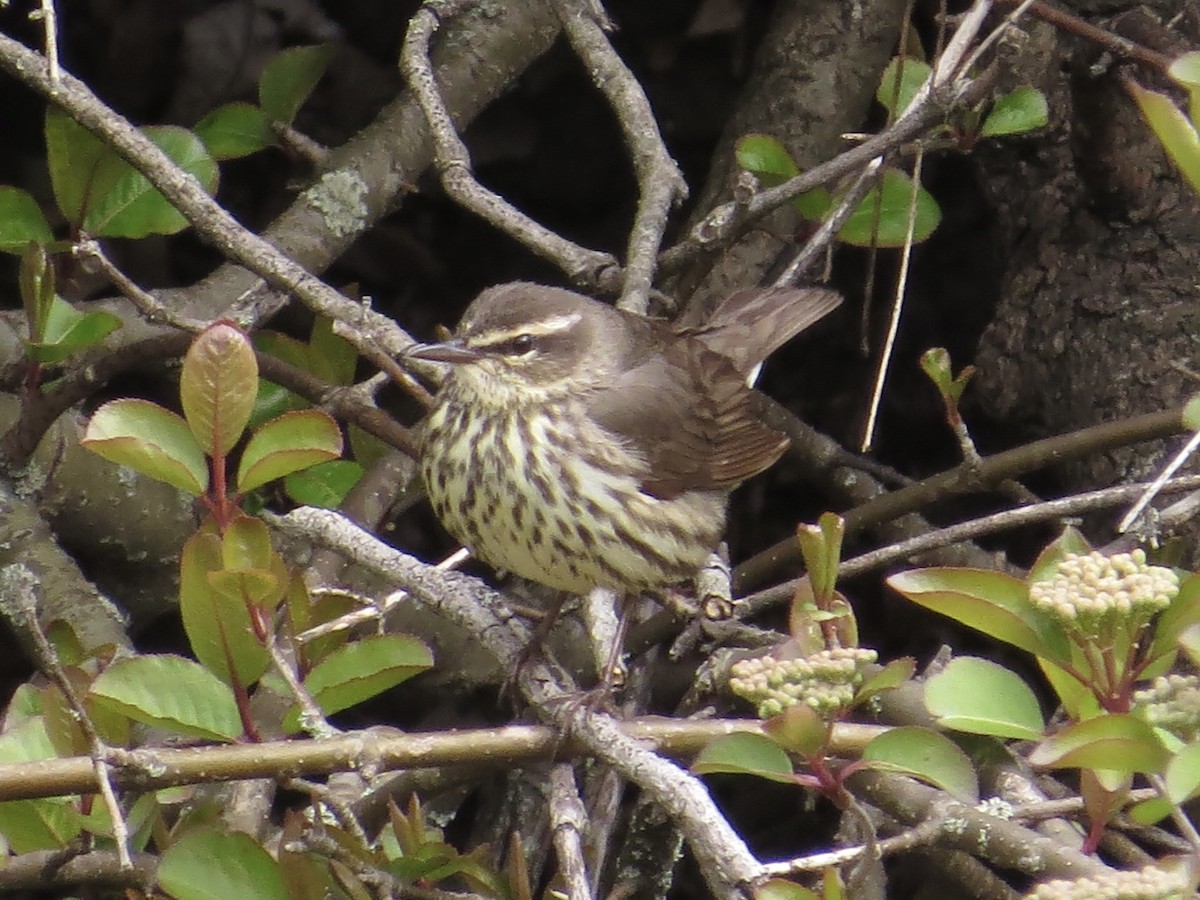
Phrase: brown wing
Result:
[687,412]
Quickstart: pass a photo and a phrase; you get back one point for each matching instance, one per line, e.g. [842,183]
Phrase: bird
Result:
[579,446]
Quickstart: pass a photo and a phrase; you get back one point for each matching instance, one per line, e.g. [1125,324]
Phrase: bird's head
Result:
[529,343]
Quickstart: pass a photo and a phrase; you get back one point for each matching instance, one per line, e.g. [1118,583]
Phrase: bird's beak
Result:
[453,351]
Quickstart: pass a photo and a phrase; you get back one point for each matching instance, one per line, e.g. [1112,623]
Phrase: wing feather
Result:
[687,413]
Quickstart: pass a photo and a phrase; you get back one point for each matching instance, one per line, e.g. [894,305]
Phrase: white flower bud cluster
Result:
[1172,703]
[1150,883]
[826,681]
[1091,593]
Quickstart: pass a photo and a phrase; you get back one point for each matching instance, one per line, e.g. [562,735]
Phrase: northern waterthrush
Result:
[580,446]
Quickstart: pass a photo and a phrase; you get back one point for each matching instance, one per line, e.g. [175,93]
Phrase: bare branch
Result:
[660,183]
[583,266]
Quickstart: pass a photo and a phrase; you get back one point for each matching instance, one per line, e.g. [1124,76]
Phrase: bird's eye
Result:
[522,344]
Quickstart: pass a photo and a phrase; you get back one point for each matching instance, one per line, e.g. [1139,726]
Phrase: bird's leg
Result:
[538,641]
[614,673]
[604,622]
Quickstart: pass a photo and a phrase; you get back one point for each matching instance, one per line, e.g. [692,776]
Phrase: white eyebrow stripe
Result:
[539,328]
[551,326]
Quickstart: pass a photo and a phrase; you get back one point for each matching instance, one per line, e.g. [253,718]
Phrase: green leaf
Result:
[356,672]
[781,889]
[926,755]
[294,441]
[285,347]
[246,544]
[271,402]
[24,704]
[31,825]
[745,753]
[170,692]
[289,78]
[1186,70]
[235,130]
[27,741]
[1070,543]
[896,190]
[62,725]
[35,278]
[1183,774]
[1174,130]
[253,587]
[798,729]
[68,331]
[1120,743]
[74,155]
[217,386]
[365,448]
[325,484]
[217,614]
[21,221]
[27,826]
[911,73]
[1017,112]
[821,547]
[765,158]
[935,363]
[814,205]
[210,865]
[980,697]
[1150,811]
[149,439]
[1176,619]
[133,208]
[1077,698]
[894,674]
[333,358]
[1191,413]
[991,602]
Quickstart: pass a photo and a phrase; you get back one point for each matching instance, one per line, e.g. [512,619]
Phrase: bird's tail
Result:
[750,325]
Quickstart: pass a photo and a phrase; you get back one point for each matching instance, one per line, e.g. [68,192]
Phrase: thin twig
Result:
[351,403]
[887,507]
[376,611]
[1113,43]
[815,246]
[453,161]
[209,218]
[660,183]
[889,341]
[49,19]
[940,95]
[18,602]
[323,796]
[1184,454]
[152,310]
[925,833]
[569,820]
[966,531]
[312,720]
